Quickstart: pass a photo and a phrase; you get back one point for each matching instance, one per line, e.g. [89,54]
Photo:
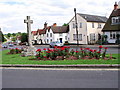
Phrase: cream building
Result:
[89,27]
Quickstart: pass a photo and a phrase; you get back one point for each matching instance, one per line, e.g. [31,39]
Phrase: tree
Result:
[9,34]
[13,34]
[24,37]
[65,24]
[2,39]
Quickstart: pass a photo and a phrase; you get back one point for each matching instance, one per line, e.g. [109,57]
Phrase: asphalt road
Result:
[111,50]
[36,78]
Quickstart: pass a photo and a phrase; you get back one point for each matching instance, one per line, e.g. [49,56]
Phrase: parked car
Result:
[4,46]
[10,45]
[56,43]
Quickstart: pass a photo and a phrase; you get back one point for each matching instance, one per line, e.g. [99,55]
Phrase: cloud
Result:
[13,12]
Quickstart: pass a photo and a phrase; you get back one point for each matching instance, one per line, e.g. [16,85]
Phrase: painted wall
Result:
[82,30]
[96,30]
[55,36]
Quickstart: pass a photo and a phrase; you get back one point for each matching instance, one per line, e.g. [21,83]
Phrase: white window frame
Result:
[112,35]
[92,37]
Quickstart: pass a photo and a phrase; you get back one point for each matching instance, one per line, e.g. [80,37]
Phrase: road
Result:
[111,50]
[52,78]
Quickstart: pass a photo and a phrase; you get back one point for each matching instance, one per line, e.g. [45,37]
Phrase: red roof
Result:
[34,32]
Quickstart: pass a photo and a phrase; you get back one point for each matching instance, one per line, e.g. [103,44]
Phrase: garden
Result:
[61,56]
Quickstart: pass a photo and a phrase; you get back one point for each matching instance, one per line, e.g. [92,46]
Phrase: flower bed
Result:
[64,53]
[15,51]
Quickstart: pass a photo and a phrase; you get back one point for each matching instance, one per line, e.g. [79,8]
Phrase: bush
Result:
[15,51]
[65,53]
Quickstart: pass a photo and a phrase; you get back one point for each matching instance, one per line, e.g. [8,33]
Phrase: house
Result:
[34,37]
[41,34]
[112,26]
[57,33]
[89,28]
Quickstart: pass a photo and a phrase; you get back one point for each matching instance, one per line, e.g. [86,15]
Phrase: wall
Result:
[95,30]
[82,30]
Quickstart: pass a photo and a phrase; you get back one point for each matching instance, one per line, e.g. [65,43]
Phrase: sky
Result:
[13,12]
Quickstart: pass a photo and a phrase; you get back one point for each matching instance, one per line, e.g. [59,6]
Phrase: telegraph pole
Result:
[76,26]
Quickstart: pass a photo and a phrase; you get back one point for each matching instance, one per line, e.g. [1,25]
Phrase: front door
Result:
[60,40]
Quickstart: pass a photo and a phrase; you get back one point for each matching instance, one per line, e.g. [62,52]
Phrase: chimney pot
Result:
[45,25]
[115,6]
[54,24]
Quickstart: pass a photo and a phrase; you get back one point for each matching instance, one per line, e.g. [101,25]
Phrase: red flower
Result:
[55,46]
[98,52]
[81,48]
[38,57]
[106,48]
[91,50]
[95,50]
[39,50]
[45,57]
[82,51]
[47,51]
[100,46]
[62,48]
[44,49]
[87,48]
[17,48]
[66,46]
[77,51]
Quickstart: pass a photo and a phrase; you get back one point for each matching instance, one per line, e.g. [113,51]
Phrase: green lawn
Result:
[17,59]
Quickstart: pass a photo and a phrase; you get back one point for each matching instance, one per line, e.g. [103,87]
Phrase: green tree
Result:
[13,34]
[65,24]
[24,37]
[9,34]
[2,39]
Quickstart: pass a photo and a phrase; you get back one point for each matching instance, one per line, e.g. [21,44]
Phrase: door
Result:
[60,40]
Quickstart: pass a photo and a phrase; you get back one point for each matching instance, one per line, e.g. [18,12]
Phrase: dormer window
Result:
[115,20]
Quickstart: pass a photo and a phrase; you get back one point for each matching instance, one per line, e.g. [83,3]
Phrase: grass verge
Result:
[17,59]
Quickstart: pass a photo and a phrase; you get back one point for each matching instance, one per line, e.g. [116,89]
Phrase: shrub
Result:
[60,53]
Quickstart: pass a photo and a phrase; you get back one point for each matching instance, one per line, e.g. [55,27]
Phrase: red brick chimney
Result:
[115,6]
[45,25]
[54,24]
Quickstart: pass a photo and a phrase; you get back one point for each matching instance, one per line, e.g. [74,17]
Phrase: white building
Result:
[89,26]
[57,33]
[112,26]
[34,36]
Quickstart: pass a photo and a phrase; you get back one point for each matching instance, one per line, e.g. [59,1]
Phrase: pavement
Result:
[63,66]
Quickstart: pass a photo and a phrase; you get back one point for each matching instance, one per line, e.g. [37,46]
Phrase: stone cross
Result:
[29,22]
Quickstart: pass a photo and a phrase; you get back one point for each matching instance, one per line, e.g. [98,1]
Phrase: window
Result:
[73,25]
[92,37]
[51,40]
[50,34]
[93,25]
[112,35]
[47,40]
[47,35]
[65,37]
[60,34]
[80,25]
[115,20]
[99,25]
[79,37]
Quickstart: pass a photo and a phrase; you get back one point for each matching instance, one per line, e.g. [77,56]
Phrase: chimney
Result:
[45,25]
[54,24]
[115,6]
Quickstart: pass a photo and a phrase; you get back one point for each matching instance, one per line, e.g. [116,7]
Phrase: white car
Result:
[4,46]
[56,43]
